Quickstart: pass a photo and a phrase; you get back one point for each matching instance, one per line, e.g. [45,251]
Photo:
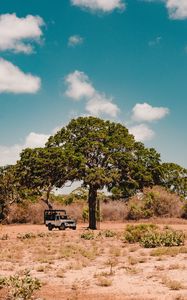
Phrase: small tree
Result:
[43,169]
[10,190]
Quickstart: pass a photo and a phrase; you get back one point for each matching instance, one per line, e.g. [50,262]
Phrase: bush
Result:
[89,235]
[156,202]
[21,287]
[109,233]
[134,233]
[168,238]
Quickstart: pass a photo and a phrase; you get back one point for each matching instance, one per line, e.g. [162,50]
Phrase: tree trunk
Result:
[92,198]
[45,198]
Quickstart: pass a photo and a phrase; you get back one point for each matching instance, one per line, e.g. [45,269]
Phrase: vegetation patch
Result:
[149,236]
[168,238]
[21,287]
[134,233]
[88,235]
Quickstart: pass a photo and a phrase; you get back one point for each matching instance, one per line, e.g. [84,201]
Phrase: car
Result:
[58,218]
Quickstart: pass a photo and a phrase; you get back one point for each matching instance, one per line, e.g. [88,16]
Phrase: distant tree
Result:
[103,148]
[174,178]
[43,169]
[10,191]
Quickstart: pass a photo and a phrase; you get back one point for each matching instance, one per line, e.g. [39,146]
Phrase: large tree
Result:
[102,147]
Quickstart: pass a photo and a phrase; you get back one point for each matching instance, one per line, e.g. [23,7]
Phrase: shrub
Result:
[134,233]
[168,238]
[89,235]
[21,287]
[85,214]
[109,233]
[135,212]
[157,202]
[184,210]
[25,236]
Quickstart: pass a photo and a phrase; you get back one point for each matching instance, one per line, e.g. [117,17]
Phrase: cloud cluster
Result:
[9,155]
[144,112]
[16,32]
[148,113]
[13,80]
[75,40]
[14,36]
[79,87]
[104,6]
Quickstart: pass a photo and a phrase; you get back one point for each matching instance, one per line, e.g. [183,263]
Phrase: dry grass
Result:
[69,263]
[172,284]
[168,251]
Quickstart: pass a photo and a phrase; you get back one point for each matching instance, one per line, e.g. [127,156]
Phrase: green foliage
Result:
[108,233]
[149,236]
[174,178]
[136,212]
[21,287]
[42,169]
[134,233]
[9,190]
[88,235]
[167,238]
[85,213]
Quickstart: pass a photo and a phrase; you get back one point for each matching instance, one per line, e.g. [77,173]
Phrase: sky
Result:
[123,60]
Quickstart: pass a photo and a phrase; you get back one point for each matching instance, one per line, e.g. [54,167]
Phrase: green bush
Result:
[167,238]
[21,287]
[135,212]
[109,233]
[89,235]
[134,233]
[85,213]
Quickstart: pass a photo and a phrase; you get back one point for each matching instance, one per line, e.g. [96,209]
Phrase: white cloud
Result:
[142,132]
[177,9]
[10,154]
[16,32]
[75,40]
[13,80]
[148,113]
[100,5]
[99,104]
[35,140]
[80,87]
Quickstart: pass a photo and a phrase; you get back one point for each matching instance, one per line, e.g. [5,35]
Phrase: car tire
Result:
[62,227]
[50,227]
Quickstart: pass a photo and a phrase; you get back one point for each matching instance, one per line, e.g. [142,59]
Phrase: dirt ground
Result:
[72,268]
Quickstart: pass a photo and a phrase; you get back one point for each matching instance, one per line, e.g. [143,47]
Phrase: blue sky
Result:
[124,60]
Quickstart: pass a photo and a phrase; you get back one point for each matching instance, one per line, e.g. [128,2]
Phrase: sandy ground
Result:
[72,268]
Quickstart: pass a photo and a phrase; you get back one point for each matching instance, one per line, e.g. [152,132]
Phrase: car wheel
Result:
[50,227]
[62,227]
